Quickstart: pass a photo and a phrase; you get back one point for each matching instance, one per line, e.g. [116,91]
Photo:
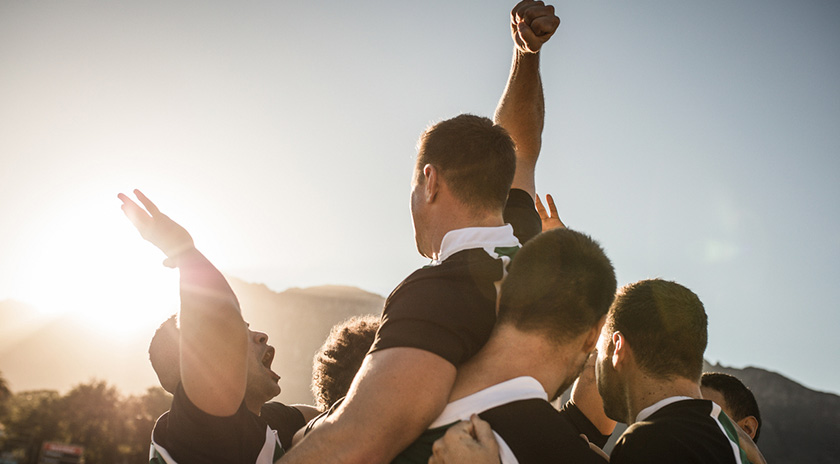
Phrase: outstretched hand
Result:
[157,227]
[552,220]
[532,23]
[466,442]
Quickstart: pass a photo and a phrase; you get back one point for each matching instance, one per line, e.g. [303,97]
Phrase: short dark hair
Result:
[665,325]
[476,159]
[560,283]
[339,359]
[165,354]
[739,398]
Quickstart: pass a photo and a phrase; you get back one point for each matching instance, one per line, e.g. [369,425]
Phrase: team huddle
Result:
[470,351]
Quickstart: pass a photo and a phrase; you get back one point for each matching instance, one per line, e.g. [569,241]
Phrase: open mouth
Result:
[268,357]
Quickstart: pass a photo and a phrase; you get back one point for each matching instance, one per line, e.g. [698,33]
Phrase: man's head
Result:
[656,328]
[340,358]
[165,356]
[736,400]
[560,285]
[474,158]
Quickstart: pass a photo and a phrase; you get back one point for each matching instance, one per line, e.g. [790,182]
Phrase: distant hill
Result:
[799,424]
[296,320]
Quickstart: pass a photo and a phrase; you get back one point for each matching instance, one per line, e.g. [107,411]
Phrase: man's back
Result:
[685,431]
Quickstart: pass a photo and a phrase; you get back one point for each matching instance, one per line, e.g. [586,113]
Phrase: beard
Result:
[609,387]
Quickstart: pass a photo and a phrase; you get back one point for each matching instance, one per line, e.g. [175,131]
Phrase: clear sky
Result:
[698,141]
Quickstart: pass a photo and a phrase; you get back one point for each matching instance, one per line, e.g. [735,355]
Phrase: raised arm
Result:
[214,341]
[521,110]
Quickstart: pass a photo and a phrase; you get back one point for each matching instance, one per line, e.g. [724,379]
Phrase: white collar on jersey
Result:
[645,413]
[488,238]
[520,388]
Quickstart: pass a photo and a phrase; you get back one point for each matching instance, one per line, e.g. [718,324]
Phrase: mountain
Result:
[58,353]
[798,424]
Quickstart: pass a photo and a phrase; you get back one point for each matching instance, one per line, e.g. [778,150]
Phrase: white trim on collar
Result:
[645,413]
[520,388]
[467,238]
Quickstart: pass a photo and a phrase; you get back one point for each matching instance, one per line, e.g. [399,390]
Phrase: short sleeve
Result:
[521,213]
[448,310]
[583,425]
[286,420]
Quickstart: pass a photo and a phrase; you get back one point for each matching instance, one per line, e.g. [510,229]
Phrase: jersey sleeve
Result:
[286,420]
[583,425]
[446,313]
[521,213]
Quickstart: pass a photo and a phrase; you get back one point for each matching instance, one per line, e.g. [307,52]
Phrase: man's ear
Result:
[621,352]
[750,425]
[432,184]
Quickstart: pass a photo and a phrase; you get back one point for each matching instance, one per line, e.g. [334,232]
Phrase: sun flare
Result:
[90,263]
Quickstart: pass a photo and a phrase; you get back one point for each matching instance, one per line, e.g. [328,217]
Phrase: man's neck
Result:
[455,222]
[649,391]
[507,355]
[254,405]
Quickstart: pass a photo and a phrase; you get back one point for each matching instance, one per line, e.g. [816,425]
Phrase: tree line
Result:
[113,428]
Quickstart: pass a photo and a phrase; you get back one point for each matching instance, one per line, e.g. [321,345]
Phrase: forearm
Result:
[521,111]
[397,393]
[587,399]
[203,289]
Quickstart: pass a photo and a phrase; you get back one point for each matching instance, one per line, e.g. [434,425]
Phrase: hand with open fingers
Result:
[157,227]
[466,442]
[550,219]
[532,23]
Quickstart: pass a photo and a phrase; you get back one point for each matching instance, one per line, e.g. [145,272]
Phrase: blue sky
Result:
[697,141]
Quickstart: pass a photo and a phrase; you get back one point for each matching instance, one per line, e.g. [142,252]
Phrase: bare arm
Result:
[521,110]
[586,397]
[397,393]
[214,341]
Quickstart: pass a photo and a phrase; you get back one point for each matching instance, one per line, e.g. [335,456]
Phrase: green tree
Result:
[31,419]
[5,396]
[141,412]
[91,416]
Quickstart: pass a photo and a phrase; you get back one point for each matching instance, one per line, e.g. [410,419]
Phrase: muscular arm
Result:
[396,395]
[521,110]
[214,339]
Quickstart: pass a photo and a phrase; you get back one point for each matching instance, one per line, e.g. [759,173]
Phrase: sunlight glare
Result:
[88,261]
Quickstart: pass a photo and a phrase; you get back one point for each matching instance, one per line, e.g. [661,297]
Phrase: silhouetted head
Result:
[736,400]
[339,359]
[165,354]
[473,157]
